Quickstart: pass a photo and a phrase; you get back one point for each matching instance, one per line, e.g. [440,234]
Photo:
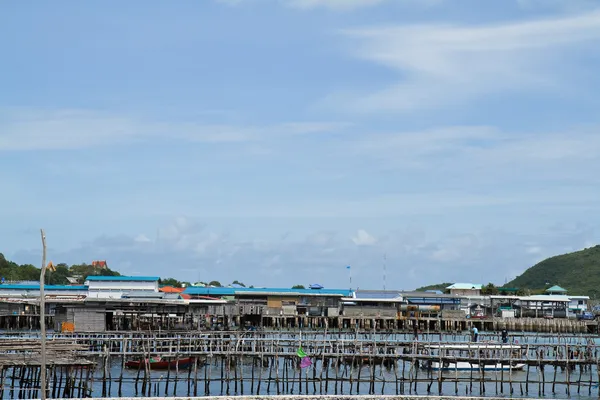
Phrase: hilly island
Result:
[578,272]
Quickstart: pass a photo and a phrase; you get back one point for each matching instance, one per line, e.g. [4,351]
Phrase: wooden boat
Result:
[160,364]
[475,349]
[466,366]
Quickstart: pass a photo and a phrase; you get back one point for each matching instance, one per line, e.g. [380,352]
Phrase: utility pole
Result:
[384,268]
[43,319]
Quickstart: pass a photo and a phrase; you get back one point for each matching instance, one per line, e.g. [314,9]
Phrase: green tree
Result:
[489,289]
[236,282]
[82,271]
[170,282]
[215,283]
[298,287]
[58,277]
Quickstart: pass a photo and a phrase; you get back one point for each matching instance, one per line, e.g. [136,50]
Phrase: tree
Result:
[438,286]
[298,287]
[170,282]
[489,289]
[215,283]
[58,277]
[82,271]
[236,282]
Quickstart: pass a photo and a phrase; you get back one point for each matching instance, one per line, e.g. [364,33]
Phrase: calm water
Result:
[387,380]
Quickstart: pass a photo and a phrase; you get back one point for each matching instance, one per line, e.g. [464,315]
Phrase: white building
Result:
[465,289]
[115,287]
[578,304]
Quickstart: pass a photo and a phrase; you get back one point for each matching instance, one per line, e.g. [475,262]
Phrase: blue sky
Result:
[277,141]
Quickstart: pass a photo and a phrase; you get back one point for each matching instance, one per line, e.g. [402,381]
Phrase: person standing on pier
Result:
[475,333]
[504,336]
[415,331]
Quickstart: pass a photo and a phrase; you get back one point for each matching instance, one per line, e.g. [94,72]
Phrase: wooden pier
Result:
[263,362]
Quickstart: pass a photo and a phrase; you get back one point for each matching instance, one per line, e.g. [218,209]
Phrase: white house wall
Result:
[122,285]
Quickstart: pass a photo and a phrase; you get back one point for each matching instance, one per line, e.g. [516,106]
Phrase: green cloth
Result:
[301,352]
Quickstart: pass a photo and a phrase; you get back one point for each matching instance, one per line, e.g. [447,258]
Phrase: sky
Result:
[275,142]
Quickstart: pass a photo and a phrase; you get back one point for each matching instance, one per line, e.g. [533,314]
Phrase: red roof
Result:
[171,289]
[99,264]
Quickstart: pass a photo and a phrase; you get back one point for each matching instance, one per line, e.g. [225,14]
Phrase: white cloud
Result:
[534,250]
[363,238]
[73,129]
[141,238]
[482,256]
[443,65]
[470,153]
[562,5]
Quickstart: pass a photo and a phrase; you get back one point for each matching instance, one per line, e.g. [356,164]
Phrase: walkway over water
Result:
[342,364]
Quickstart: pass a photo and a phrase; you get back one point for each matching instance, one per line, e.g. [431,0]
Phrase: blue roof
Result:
[217,291]
[46,287]
[201,291]
[433,300]
[123,278]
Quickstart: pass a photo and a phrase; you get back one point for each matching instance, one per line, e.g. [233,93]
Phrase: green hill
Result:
[578,272]
[438,286]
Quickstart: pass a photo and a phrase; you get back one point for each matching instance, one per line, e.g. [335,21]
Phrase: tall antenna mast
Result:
[384,265]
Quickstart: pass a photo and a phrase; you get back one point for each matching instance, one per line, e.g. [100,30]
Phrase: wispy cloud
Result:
[194,251]
[74,129]
[364,238]
[562,5]
[471,157]
[449,64]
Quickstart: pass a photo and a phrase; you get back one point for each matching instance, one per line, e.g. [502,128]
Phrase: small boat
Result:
[466,366]
[161,364]
[477,351]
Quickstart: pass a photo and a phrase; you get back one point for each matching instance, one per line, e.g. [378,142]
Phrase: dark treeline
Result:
[12,271]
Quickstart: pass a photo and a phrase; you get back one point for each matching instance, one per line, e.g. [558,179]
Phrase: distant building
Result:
[116,287]
[556,290]
[100,264]
[465,289]
[577,304]
[171,289]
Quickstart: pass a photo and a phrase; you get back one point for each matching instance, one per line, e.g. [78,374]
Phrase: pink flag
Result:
[305,362]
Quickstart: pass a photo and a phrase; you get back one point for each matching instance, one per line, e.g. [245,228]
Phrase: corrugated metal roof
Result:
[196,290]
[465,286]
[556,288]
[46,287]
[170,289]
[377,294]
[144,294]
[123,278]
[546,297]
[414,294]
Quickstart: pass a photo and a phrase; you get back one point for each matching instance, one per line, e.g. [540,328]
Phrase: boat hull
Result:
[465,366]
[161,365]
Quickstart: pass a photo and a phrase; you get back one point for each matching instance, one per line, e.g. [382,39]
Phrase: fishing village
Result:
[300,200]
[130,336]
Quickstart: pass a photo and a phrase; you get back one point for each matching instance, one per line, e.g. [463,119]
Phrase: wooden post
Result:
[43,318]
